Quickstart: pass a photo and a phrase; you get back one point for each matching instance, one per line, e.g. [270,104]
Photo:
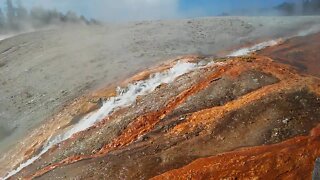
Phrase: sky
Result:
[127,10]
[216,7]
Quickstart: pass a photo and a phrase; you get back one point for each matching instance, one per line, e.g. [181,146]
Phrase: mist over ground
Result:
[303,7]
[15,18]
[20,16]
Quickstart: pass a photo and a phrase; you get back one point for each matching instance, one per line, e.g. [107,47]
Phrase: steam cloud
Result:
[15,18]
[117,10]
[287,8]
[303,7]
[33,14]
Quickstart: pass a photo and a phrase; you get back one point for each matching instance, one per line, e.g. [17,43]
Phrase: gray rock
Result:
[316,171]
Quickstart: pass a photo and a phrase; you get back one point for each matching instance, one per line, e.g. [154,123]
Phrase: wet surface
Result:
[292,159]
[243,102]
[301,52]
[235,118]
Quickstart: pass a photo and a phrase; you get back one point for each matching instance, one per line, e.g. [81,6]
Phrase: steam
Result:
[263,45]
[136,10]
[257,47]
[125,97]
[311,30]
[115,11]
[3,37]
[16,18]
[305,7]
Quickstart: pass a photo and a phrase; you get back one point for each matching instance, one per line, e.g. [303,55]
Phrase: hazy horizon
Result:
[133,10]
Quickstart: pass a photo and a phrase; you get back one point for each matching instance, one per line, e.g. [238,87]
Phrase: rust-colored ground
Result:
[70,114]
[253,101]
[300,52]
[292,159]
[241,118]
